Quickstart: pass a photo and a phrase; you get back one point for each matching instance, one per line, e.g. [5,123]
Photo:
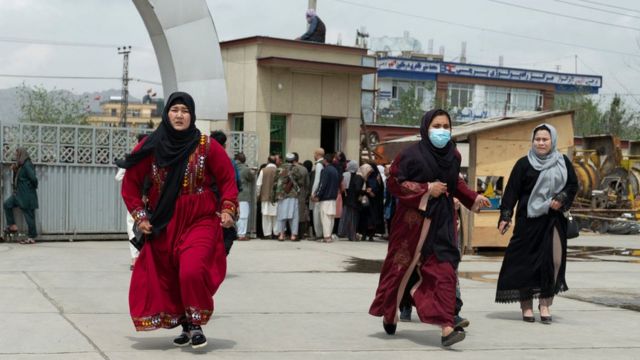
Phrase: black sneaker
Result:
[198,340]
[460,322]
[184,339]
[405,314]
[454,337]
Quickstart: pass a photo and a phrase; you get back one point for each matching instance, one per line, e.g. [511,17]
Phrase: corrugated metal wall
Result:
[75,200]
[78,195]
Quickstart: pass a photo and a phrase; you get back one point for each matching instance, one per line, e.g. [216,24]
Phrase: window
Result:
[420,94]
[278,134]
[460,95]
[497,100]
[367,103]
[114,112]
[237,122]
[525,100]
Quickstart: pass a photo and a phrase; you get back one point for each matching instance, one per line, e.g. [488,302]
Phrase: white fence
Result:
[78,195]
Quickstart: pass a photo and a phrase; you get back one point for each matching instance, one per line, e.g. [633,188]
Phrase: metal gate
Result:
[77,192]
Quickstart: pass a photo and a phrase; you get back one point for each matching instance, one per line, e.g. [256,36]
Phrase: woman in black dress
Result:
[543,184]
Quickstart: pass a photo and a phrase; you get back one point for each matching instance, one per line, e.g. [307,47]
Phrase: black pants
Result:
[29,215]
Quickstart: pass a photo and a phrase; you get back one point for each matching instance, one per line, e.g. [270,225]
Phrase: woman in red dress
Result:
[183,262]
[425,178]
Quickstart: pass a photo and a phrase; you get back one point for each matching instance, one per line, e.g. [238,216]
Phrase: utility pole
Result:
[124,101]
[576,63]
[312,4]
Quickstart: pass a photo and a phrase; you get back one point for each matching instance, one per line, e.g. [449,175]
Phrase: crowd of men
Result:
[309,200]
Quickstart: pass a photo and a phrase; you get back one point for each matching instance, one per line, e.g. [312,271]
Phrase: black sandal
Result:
[8,230]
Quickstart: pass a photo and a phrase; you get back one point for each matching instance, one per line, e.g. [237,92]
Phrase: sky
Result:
[605,35]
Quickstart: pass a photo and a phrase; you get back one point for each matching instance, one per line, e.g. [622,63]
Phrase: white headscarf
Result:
[552,178]
[352,167]
[364,171]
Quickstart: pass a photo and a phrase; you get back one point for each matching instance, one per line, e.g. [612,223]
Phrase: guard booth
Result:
[492,147]
[78,196]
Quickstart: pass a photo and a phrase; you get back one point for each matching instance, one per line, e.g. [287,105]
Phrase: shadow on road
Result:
[165,343]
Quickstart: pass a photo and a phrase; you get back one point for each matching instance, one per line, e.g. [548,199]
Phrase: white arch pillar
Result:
[186,44]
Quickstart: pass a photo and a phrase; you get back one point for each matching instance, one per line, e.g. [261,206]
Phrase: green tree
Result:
[408,109]
[617,121]
[589,120]
[588,117]
[39,105]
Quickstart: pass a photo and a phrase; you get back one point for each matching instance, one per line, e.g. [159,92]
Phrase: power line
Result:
[597,9]
[563,15]
[615,93]
[506,33]
[608,5]
[63,43]
[543,61]
[616,80]
[72,77]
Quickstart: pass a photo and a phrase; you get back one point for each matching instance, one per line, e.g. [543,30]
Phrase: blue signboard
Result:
[410,68]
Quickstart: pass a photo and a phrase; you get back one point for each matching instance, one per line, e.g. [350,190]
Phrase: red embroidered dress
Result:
[179,270]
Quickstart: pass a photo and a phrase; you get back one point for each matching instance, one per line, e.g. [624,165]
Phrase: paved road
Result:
[307,300]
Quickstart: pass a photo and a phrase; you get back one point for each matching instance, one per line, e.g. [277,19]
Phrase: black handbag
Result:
[573,230]
[229,235]
[139,237]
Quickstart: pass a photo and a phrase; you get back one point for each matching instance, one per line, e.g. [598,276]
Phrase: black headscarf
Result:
[171,149]
[423,162]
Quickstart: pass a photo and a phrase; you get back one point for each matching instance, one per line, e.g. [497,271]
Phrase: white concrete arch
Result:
[188,51]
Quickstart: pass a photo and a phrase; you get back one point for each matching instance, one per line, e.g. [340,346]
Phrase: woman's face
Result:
[440,122]
[179,117]
[542,142]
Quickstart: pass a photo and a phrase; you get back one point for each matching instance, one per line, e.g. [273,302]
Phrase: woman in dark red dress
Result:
[425,178]
[183,262]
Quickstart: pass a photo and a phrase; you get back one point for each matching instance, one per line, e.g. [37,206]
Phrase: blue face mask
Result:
[439,137]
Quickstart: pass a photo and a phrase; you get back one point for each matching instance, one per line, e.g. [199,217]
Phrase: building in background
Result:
[296,95]
[139,114]
[471,91]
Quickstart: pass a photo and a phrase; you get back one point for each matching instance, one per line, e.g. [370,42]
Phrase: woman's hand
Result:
[437,188]
[145,226]
[503,227]
[556,205]
[480,202]
[226,220]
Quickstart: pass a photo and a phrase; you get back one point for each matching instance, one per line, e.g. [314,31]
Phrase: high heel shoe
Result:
[547,320]
[529,319]
[390,329]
